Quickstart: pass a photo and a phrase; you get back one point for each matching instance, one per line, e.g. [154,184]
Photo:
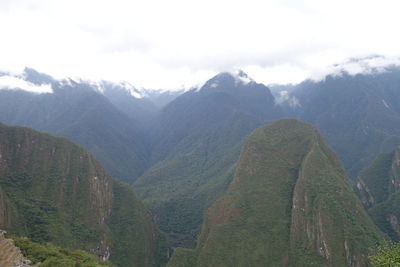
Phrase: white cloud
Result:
[355,66]
[285,98]
[15,83]
[170,44]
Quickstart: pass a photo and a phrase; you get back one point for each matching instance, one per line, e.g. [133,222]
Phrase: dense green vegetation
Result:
[49,255]
[386,256]
[378,187]
[196,144]
[290,203]
[47,182]
[54,191]
[135,238]
[180,189]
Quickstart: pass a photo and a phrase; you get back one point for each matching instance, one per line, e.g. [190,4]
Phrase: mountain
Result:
[162,98]
[52,190]
[80,112]
[196,141]
[289,204]
[378,187]
[131,101]
[357,114]
[140,105]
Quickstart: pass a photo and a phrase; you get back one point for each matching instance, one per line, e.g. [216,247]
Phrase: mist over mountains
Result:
[92,115]
[204,169]
[356,114]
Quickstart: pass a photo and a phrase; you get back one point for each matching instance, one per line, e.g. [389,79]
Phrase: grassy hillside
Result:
[54,191]
[289,204]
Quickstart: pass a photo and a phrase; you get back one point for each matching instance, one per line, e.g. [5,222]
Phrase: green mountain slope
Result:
[378,187]
[196,145]
[289,204]
[77,111]
[54,191]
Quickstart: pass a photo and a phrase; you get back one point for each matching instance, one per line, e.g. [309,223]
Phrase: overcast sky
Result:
[174,44]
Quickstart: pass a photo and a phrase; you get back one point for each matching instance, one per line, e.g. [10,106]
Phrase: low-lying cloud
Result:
[284,98]
[353,66]
[15,83]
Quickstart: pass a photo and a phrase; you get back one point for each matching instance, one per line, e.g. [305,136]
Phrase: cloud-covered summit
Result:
[21,81]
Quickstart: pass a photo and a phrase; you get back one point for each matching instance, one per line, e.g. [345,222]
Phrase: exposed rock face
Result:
[365,193]
[378,187]
[10,255]
[394,222]
[394,171]
[5,216]
[289,204]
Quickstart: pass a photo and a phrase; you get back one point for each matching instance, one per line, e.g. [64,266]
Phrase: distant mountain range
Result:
[108,119]
[358,115]
[181,151]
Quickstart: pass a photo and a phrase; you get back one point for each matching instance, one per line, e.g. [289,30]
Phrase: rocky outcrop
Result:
[10,255]
[365,193]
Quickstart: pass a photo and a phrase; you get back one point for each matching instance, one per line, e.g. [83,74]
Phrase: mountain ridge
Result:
[289,204]
[357,114]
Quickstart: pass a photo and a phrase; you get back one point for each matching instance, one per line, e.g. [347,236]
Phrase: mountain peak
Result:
[238,75]
[29,80]
[241,73]
[35,77]
[228,79]
[107,87]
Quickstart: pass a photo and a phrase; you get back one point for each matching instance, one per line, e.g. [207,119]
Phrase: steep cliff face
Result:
[378,187]
[54,191]
[289,204]
[5,210]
